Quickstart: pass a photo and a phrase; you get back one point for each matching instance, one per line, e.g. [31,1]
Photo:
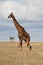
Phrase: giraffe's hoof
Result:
[19,45]
[30,47]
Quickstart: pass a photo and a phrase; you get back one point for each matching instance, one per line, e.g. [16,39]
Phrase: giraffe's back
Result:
[23,34]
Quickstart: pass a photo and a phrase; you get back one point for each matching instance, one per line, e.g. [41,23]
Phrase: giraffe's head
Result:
[11,15]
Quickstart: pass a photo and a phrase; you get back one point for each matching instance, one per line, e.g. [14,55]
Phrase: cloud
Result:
[26,9]
[35,9]
[9,6]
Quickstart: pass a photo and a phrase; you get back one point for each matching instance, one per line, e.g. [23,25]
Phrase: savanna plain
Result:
[11,54]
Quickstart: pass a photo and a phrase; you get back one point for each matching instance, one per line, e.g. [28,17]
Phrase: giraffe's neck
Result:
[17,25]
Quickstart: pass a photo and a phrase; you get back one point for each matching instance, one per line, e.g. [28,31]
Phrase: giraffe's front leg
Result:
[20,44]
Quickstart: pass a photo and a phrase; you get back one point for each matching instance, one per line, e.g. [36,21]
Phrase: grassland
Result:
[10,54]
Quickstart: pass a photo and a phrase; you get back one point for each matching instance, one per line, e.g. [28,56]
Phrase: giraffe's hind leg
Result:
[28,43]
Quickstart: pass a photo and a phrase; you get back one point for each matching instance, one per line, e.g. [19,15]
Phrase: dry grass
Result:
[10,54]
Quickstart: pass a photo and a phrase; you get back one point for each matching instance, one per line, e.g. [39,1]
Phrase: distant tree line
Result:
[11,38]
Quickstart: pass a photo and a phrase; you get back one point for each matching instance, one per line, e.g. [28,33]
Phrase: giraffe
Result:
[22,34]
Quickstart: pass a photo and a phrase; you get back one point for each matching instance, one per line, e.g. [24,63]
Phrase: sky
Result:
[29,14]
